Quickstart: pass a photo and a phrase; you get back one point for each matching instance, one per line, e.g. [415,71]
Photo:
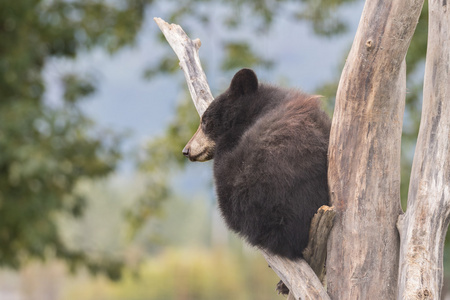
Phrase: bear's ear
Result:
[244,82]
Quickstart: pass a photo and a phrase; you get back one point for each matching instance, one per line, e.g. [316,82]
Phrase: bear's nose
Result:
[186,151]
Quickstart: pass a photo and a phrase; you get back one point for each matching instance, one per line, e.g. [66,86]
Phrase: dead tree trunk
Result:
[364,154]
[424,225]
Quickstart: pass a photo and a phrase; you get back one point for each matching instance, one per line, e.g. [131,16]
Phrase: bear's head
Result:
[225,119]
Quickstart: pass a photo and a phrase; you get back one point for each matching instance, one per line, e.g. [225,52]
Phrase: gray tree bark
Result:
[364,154]
[424,225]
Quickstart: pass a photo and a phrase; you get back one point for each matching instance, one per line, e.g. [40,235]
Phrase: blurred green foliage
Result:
[46,149]
[190,274]
[238,54]
[162,158]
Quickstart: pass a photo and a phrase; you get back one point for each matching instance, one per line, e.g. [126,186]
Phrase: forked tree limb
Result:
[424,225]
[298,275]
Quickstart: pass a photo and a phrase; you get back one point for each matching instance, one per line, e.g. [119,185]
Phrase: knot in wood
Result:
[369,44]
[424,294]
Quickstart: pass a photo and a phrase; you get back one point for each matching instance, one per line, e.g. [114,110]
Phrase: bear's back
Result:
[271,184]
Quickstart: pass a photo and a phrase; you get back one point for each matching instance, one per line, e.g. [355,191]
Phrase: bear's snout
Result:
[186,152]
[200,147]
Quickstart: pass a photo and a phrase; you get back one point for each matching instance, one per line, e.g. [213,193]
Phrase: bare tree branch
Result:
[424,225]
[298,277]
[187,52]
[364,154]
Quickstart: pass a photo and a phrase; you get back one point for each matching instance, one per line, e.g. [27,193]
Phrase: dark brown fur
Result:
[270,162]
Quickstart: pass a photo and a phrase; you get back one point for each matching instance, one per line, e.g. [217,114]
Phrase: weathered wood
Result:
[315,253]
[424,225]
[187,52]
[298,277]
[364,154]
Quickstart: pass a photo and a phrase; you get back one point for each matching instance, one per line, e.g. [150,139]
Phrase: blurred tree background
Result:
[46,150]
[61,202]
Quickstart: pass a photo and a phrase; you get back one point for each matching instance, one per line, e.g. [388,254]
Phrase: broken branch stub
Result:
[187,52]
[315,253]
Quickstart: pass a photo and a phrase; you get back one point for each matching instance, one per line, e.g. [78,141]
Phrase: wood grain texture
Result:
[298,277]
[315,253]
[364,154]
[187,52]
[424,225]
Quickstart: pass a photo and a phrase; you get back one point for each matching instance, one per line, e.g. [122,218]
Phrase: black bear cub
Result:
[269,146]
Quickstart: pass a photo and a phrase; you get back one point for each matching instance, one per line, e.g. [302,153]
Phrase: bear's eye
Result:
[207,125]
